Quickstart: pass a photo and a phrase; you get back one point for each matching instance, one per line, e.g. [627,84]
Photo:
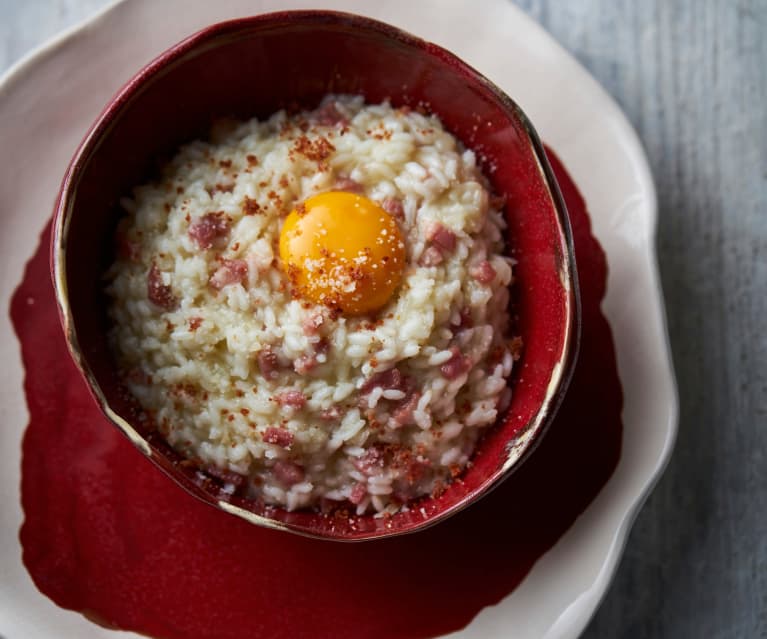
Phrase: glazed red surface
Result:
[107,534]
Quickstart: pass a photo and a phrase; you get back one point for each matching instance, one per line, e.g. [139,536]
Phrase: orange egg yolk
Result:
[344,251]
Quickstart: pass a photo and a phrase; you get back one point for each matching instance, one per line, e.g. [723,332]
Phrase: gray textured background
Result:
[692,77]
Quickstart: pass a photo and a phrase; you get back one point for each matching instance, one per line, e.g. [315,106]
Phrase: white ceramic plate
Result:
[48,101]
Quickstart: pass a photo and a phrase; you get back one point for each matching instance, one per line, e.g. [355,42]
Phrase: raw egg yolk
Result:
[344,251]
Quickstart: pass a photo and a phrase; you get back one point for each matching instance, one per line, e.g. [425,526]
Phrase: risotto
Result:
[313,309]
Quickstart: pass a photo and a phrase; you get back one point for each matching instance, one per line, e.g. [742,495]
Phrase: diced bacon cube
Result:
[358,493]
[456,365]
[431,256]
[403,414]
[330,414]
[207,229]
[268,363]
[305,364]
[227,476]
[278,436]
[312,323]
[287,472]
[229,272]
[322,346]
[344,183]
[391,379]
[291,398]
[483,272]
[159,293]
[441,237]
[329,115]
[370,460]
[393,207]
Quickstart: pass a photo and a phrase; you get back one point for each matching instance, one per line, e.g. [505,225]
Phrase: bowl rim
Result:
[530,434]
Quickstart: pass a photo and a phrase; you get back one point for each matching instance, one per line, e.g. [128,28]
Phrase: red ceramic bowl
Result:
[253,67]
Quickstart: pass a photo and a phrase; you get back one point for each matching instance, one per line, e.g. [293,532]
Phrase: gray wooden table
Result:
[692,77]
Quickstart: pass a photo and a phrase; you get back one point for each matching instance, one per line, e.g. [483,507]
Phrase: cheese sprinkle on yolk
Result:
[344,251]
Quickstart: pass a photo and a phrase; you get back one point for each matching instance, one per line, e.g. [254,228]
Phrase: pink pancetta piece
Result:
[229,272]
[278,436]
[358,493]
[322,346]
[403,414]
[207,229]
[483,272]
[291,398]
[159,293]
[311,323]
[344,183]
[431,256]
[391,379]
[126,248]
[393,207]
[456,365]
[268,363]
[330,414]
[305,364]
[227,476]
[370,460]
[441,237]
[287,472]
[329,115]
